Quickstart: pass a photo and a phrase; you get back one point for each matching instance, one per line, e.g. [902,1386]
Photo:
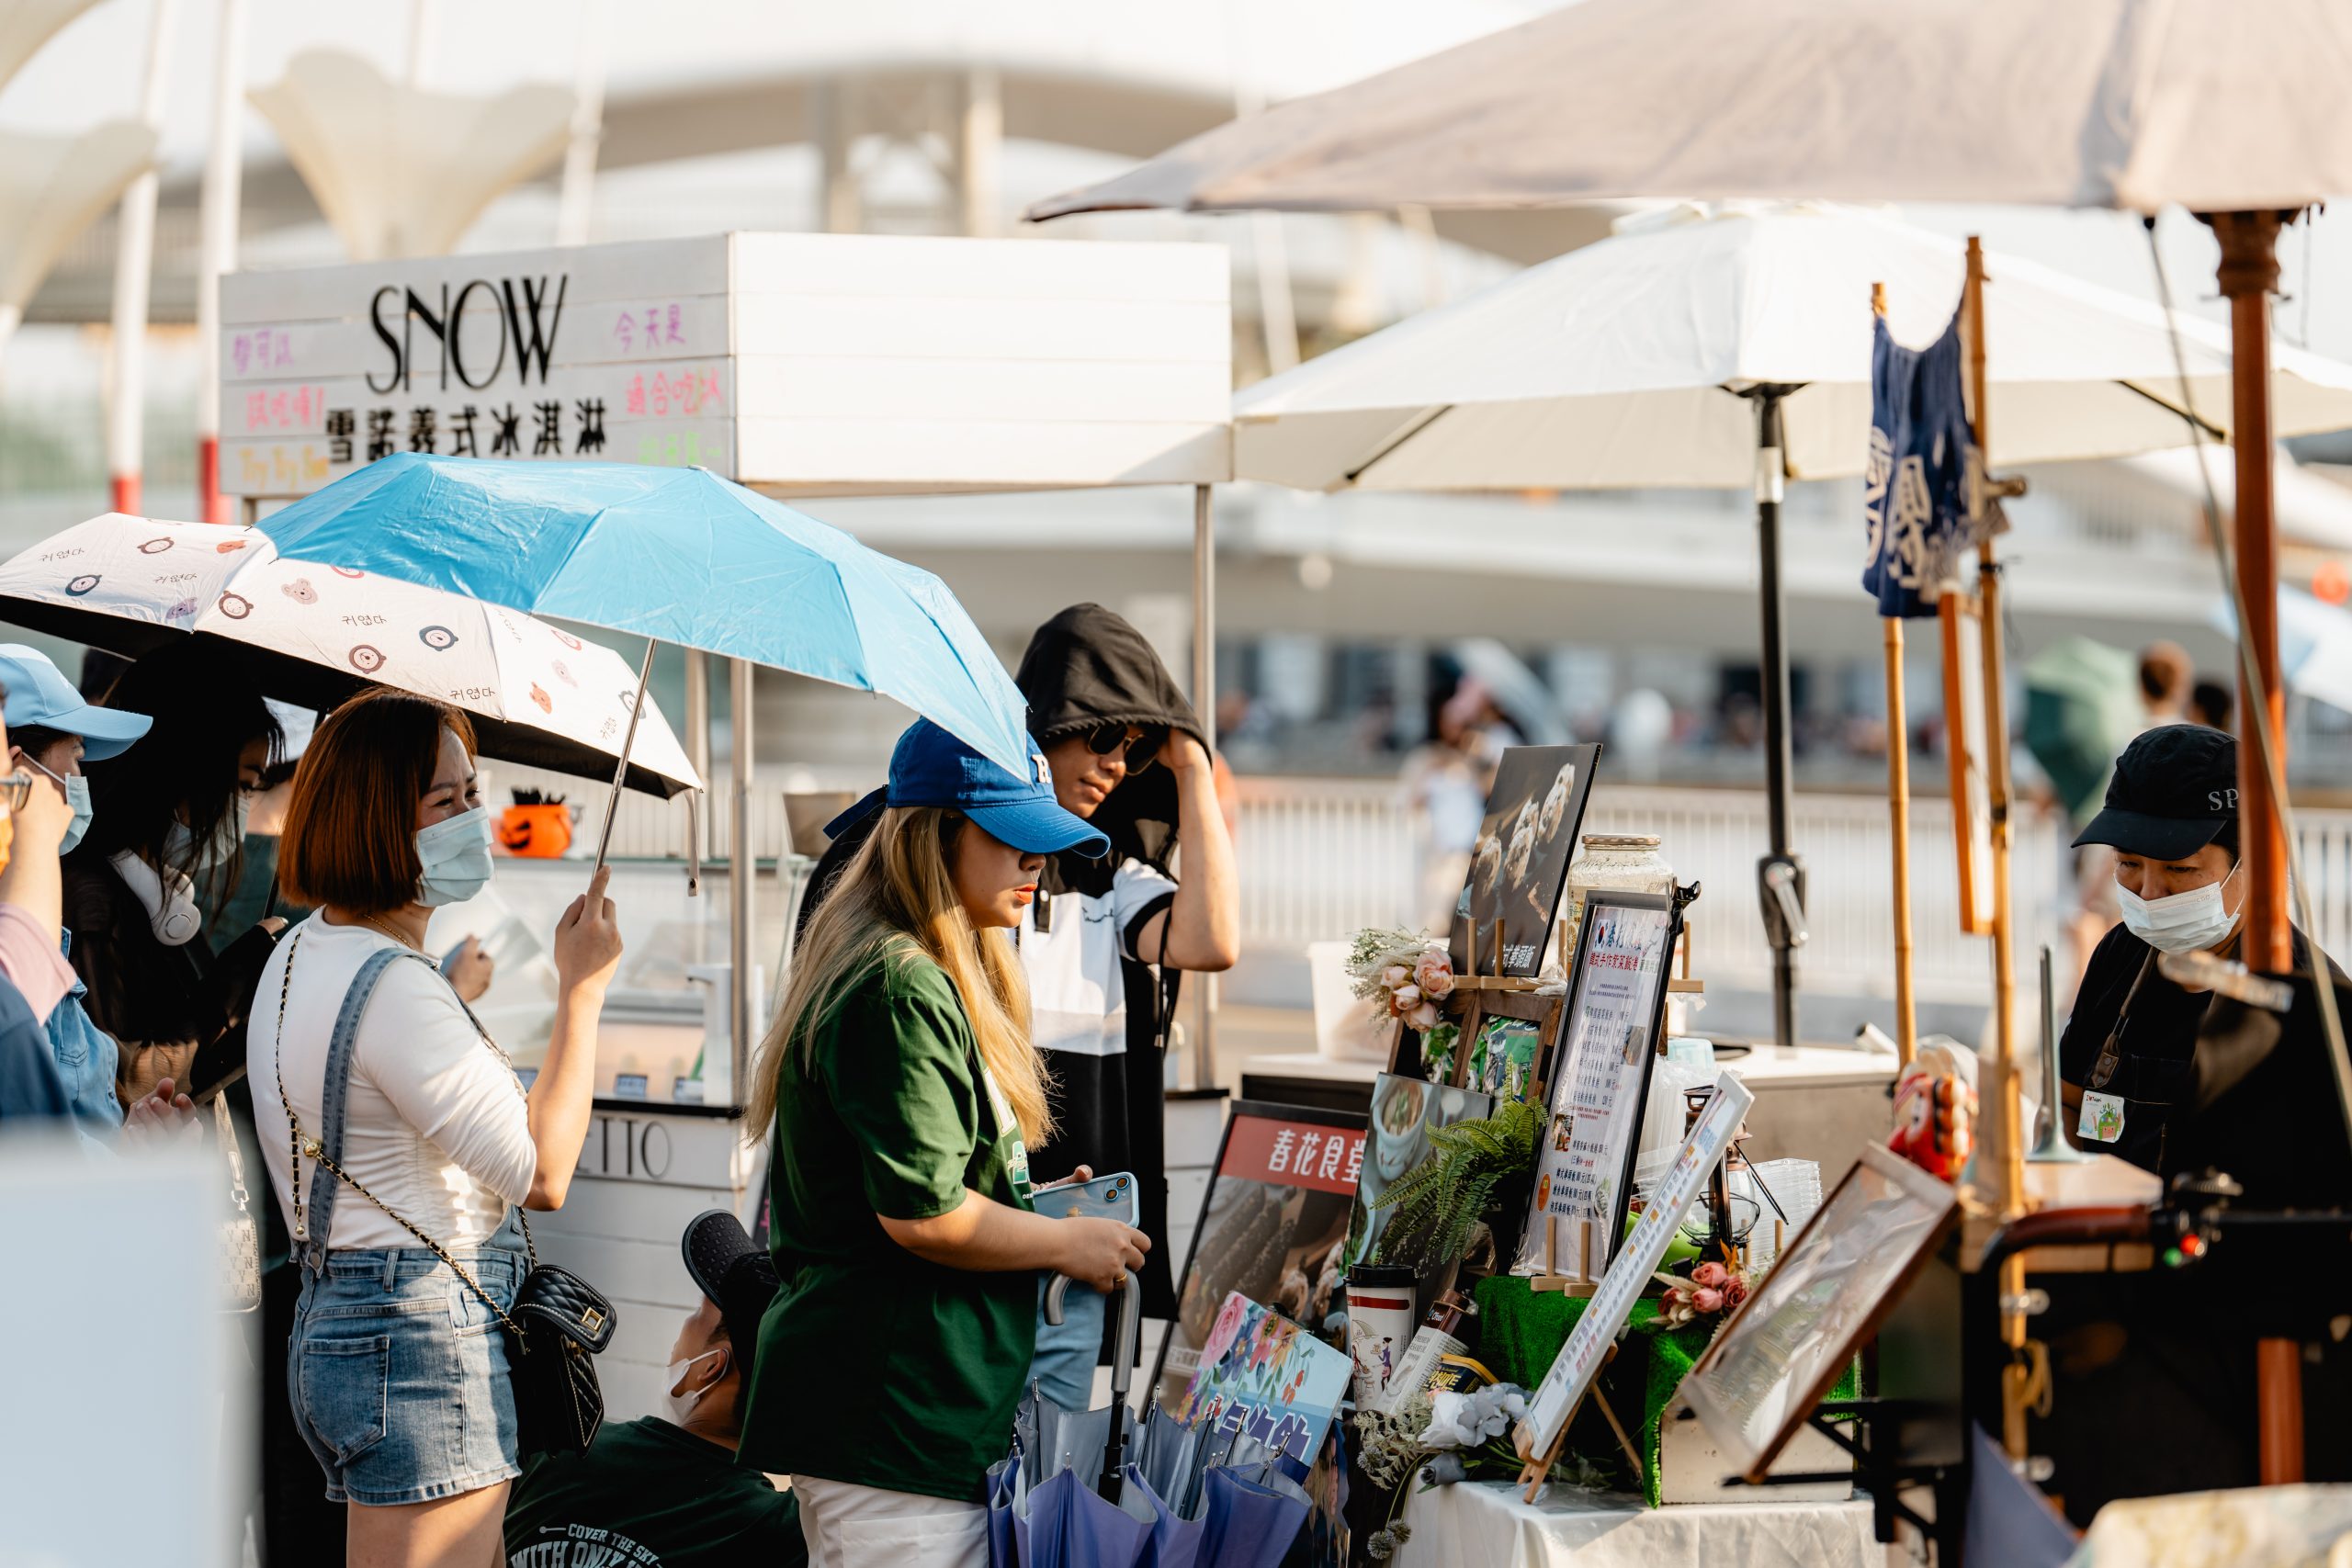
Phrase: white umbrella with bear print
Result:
[313,634]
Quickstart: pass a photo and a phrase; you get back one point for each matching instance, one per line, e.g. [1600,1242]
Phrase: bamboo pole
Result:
[1898,805]
[2016,1376]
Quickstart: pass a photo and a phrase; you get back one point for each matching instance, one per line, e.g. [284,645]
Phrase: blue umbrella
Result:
[672,555]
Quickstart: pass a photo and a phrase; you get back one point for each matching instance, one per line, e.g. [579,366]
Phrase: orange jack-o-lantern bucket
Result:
[535,832]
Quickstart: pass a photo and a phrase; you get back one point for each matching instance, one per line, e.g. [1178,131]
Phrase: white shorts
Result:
[849,1526]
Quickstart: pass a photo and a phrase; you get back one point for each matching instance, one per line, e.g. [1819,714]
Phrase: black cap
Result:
[2174,792]
[733,1271]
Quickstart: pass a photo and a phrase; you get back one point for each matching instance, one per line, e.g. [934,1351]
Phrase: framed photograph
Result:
[1600,1078]
[1405,1112]
[1261,1374]
[1520,863]
[1273,1226]
[1964,752]
[1783,1348]
[1555,1399]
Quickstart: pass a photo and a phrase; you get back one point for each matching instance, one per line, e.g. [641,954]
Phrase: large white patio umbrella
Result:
[50,190]
[1642,361]
[1625,365]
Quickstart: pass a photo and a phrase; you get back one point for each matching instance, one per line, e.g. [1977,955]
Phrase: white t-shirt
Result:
[435,1123]
[1078,998]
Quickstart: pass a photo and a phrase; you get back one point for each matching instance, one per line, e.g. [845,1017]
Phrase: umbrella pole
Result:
[620,768]
[1204,700]
[2249,270]
[1779,876]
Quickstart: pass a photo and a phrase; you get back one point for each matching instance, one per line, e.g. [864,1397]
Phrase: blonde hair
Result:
[895,899]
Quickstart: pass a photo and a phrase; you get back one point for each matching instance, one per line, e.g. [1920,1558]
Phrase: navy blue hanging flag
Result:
[1923,487]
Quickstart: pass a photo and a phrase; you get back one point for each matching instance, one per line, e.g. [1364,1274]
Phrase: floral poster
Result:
[1264,1375]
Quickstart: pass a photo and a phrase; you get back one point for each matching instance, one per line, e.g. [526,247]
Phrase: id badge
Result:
[2102,1119]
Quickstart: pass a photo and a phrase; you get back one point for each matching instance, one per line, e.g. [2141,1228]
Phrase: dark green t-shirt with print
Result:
[649,1494]
[876,1367]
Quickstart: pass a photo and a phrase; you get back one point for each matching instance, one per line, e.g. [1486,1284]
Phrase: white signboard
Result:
[809,363]
[1555,1398]
[1585,1152]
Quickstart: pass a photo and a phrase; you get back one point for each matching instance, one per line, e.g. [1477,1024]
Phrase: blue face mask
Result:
[454,856]
[77,795]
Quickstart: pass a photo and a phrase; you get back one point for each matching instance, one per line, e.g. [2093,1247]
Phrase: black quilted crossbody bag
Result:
[559,1322]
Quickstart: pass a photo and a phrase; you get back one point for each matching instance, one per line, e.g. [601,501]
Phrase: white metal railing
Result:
[1320,858]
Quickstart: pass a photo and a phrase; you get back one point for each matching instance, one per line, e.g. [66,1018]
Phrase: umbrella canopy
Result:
[2082,707]
[2212,103]
[1618,364]
[536,695]
[677,554]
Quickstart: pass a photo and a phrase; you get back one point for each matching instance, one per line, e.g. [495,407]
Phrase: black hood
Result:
[1088,667]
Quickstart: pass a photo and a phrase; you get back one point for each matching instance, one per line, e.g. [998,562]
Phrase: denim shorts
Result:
[398,1373]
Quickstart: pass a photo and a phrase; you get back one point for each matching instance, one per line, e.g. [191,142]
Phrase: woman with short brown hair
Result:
[399,1119]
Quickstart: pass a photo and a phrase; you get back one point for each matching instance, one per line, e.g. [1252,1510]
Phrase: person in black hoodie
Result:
[1104,942]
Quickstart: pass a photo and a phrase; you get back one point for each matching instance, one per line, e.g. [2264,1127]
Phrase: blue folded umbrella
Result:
[674,555]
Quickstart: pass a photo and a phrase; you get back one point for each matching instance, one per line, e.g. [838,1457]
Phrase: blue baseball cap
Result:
[931,767]
[40,693]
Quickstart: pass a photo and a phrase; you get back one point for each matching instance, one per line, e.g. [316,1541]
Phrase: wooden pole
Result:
[2249,270]
[1898,805]
[2016,1378]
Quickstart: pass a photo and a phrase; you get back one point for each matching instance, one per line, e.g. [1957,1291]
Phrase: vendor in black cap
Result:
[2134,1084]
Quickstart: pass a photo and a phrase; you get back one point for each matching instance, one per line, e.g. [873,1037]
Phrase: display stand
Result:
[1878,1471]
[1532,1475]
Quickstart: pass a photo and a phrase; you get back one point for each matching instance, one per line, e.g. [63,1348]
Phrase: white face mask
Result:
[227,839]
[681,1405]
[453,855]
[2184,922]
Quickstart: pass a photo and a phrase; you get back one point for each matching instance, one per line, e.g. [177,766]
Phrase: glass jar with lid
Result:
[1619,862]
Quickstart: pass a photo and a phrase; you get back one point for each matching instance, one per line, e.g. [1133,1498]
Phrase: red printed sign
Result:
[1294,1154]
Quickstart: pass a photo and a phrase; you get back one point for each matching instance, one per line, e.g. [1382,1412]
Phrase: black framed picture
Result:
[1520,863]
[1600,1078]
[1273,1226]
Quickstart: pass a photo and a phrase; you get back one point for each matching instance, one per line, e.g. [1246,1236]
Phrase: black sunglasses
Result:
[1140,751]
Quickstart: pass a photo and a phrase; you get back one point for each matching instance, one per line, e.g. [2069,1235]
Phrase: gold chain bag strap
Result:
[558,1322]
[240,1236]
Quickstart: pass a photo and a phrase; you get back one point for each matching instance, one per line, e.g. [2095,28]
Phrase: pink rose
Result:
[1396,974]
[1435,973]
[1406,999]
[1710,1275]
[1735,1291]
[1423,1018]
[1707,1301]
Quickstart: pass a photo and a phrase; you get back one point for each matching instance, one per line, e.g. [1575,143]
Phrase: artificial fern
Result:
[1440,1200]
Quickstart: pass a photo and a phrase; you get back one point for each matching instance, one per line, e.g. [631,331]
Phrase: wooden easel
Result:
[1580,1283]
[1536,1469]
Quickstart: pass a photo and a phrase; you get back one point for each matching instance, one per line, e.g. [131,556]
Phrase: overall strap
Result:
[335,1095]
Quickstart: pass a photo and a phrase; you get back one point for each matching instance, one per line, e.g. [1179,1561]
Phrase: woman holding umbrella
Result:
[905,1091]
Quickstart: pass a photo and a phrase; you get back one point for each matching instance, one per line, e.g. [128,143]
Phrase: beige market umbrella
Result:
[2214,105]
[50,190]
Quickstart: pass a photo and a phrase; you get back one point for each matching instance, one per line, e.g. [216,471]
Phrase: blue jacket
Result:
[87,1059]
[30,1084]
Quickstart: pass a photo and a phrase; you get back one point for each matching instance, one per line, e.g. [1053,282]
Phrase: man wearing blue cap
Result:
[52,727]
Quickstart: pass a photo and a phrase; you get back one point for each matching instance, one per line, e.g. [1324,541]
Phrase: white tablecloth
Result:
[1486,1524]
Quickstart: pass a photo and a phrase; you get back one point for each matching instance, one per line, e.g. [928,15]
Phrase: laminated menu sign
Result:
[1556,1397]
[1273,1226]
[1585,1147]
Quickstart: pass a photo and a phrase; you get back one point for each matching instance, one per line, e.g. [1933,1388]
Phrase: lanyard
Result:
[2110,1055]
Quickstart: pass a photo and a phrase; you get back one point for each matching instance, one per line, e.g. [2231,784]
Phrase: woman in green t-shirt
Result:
[905,1091]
